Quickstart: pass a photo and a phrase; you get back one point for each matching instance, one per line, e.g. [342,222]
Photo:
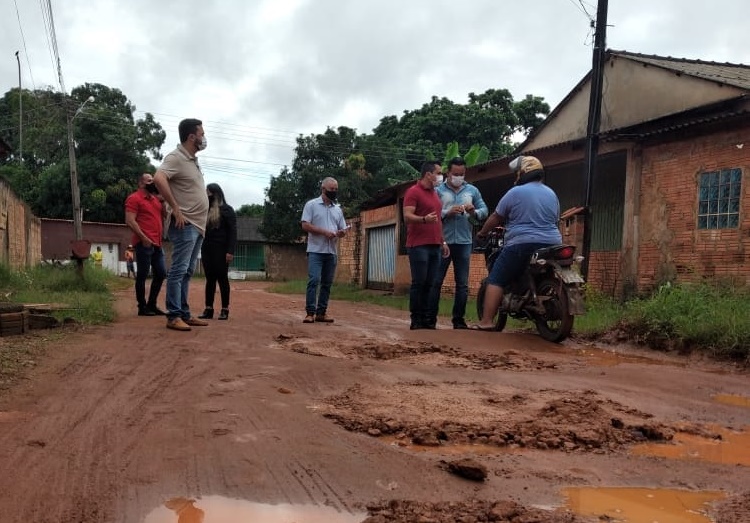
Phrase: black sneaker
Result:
[460,324]
[416,326]
[146,312]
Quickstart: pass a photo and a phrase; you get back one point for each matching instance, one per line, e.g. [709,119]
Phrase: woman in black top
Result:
[217,251]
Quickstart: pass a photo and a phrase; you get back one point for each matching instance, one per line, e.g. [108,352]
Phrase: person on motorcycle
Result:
[530,212]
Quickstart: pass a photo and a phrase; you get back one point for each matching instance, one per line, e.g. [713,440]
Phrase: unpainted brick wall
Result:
[671,246]
[20,231]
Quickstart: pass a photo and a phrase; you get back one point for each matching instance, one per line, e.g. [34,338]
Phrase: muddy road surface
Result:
[264,418]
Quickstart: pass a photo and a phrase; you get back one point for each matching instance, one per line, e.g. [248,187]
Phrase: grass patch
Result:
[709,317]
[712,318]
[88,300]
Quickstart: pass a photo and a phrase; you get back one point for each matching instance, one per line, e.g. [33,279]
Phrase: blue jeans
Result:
[186,243]
[460,256]
[424,262]
[320,271]
[512,262]
[149,258]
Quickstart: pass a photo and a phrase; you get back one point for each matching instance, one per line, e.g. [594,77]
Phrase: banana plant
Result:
[475,155]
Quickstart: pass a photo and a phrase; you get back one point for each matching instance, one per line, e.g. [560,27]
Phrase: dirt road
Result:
[265,416]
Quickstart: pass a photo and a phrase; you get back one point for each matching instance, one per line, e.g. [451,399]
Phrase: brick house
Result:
[113,238]
[668,200]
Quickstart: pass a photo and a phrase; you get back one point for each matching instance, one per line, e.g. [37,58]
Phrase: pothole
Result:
[733,399]
[417,352]
[218,509]
[426,414]
[641,505]
[714,445]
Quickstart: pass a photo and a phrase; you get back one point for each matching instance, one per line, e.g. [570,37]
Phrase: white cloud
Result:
[260,73]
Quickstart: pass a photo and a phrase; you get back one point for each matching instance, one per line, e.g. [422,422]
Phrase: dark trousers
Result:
[424,262]
[149,258]
[460,256]
[216,269]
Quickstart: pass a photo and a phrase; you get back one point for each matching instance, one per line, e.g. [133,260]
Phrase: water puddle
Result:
[732,449]
[641,505]
[218,509]
[733,399]
[608,358]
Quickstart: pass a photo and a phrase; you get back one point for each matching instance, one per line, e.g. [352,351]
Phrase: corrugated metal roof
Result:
[737,75]
[247,229]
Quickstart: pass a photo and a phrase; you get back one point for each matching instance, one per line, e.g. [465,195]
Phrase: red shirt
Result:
[424,202]
[147,210]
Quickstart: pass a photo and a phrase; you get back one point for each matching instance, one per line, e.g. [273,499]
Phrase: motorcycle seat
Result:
[554,251]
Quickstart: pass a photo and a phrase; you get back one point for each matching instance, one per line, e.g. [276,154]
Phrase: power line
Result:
[23,39]
[47,34]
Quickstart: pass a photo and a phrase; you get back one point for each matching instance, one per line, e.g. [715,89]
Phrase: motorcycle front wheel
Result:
[501,318]
[557,322]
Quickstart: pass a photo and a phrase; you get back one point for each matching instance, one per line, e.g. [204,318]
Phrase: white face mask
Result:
[438,179]
[457,181]
[203,143]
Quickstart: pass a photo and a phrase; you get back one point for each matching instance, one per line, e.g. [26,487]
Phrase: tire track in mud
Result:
[98,430]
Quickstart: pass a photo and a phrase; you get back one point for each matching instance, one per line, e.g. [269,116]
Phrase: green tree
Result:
[112,149]
[367,163]
[254,210]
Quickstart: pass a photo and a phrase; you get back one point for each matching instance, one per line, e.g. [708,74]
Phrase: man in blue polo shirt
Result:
[323,221]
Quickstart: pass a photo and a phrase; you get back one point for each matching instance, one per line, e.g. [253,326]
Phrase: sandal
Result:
[480,328]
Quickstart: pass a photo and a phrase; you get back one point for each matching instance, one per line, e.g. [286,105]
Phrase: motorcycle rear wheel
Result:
[501,318]
[557,321]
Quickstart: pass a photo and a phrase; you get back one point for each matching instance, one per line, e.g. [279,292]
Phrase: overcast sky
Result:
[259,73]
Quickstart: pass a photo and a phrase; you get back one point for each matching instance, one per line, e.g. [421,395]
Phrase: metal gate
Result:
[381,257]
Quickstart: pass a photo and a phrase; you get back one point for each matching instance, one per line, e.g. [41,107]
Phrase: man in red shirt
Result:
[144,214]
[424,243]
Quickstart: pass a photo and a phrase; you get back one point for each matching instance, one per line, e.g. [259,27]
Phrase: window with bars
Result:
[719,199]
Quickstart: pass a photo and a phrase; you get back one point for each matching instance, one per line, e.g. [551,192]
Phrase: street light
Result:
[77,216]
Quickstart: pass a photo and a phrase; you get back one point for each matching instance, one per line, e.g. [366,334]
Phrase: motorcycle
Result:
[549,292]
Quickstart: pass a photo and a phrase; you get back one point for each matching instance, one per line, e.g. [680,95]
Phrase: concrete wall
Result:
[20,231]
[634,93]
[286,261]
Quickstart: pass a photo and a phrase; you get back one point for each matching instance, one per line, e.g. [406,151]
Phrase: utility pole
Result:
[77,214]
[592,129]
[20,111]
[77,218]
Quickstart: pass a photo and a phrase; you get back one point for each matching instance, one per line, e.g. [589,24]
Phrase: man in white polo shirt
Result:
[180,182]
[323,221]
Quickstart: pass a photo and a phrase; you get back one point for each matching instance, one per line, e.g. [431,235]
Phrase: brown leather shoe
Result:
[177,324]
[323,318]
[195,322]
[309,319]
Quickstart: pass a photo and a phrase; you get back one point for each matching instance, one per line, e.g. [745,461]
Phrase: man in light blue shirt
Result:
[323,221]
[461,201]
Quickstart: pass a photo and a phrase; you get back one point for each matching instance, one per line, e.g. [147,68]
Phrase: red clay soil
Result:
[362,416]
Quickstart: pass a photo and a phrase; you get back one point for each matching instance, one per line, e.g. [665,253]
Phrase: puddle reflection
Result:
[733,399]
[641,505]
[732,449]
[218,509]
